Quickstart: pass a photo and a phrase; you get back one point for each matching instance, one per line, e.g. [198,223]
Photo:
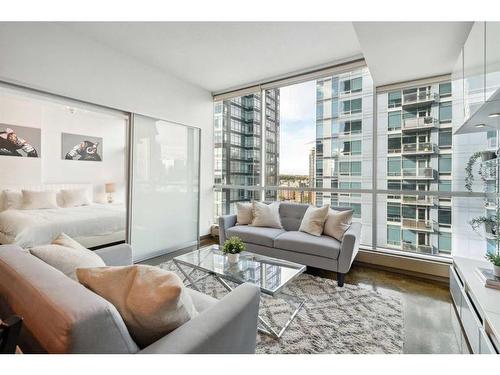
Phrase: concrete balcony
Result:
[419,225]
[424,249]
[419,123]
[426,148]
[424,97]
[418,200]
[426,173]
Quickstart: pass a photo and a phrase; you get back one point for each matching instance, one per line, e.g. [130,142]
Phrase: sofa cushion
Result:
[59,313]
[301,242]
[256,235]
[291,215]
[66,255]
[266,215]
[152,301]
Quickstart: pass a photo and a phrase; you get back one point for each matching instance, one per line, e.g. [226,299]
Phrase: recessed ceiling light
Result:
[480,126]
[496,114]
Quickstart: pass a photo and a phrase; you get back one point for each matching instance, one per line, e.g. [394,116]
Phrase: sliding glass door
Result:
[165,186]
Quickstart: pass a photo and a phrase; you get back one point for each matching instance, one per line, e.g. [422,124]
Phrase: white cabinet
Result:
[478,308]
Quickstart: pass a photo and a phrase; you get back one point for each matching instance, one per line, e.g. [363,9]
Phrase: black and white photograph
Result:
[81,147]
[19,141]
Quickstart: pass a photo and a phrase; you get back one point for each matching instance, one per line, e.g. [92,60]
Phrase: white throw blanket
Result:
[29,228]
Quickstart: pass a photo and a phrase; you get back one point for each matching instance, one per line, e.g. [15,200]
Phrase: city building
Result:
[238,148]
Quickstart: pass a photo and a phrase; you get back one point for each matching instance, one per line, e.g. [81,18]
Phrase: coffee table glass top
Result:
[270,274]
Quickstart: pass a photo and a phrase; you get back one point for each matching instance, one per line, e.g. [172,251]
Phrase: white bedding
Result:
[28,228]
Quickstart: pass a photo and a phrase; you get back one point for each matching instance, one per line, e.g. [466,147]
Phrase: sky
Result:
[297,127]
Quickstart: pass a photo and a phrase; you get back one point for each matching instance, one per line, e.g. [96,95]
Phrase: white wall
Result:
[53,119]
[52,58]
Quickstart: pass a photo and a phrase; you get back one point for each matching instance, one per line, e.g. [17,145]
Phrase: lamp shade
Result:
[110,187]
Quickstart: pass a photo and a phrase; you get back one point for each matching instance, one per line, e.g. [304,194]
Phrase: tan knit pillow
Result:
[337,222]
[314,220]
[151,301]
[244,213]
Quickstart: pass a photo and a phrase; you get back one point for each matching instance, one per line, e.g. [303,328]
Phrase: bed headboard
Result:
[96,192]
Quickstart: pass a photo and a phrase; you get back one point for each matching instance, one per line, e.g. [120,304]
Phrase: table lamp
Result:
[110,189]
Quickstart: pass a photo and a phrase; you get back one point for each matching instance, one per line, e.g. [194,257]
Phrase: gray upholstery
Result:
[62,316]
[58,312]
[291,215]
[230,326]
[301,242]
[257,235]
[292,256]
[322,252]
[118,255]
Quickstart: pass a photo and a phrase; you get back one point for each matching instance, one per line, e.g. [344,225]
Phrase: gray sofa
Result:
[62,316]
[289,244]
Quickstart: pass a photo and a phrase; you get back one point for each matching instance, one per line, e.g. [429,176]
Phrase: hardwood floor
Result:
[430,322]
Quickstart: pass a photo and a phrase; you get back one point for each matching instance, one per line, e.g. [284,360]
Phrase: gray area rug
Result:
[336,320]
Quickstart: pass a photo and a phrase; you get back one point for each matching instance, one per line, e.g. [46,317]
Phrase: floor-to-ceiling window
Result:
[405,185]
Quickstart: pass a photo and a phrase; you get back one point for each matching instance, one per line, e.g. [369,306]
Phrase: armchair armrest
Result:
[225,222]
[117,255]
[349,247]
[229,327]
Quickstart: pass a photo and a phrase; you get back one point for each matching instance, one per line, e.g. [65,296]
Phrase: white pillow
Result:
[266,215]
[75,198]
[314,220]
[12,200]
[244,213]
[337,222]
[33,200]
[66,255]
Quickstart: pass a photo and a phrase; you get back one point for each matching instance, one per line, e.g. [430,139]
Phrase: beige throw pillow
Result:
[266,215]
[75,197]
[151,301]
[314,220]
[66,255]
[34,200]
[244,213]
[337,222]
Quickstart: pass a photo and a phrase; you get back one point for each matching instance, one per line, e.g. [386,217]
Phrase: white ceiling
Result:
[219,56]
[403,51]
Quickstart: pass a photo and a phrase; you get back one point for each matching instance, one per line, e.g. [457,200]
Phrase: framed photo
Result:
[81,147]
[20,141]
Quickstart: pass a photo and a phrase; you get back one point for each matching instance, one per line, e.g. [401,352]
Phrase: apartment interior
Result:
[357,171]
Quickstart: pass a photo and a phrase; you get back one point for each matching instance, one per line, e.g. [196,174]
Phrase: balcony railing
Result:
[418,200]
[425,249]
[419,123]
[426,173]
[425,148]
[422,97]
[419,225]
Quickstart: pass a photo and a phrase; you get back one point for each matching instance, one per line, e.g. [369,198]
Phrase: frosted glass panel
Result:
[164,187]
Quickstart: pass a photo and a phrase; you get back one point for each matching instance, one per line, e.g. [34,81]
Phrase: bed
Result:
[92,225]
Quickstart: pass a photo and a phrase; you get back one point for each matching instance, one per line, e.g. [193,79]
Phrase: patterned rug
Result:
[336,320]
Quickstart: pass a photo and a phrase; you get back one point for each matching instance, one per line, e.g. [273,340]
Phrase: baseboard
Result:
[422,268]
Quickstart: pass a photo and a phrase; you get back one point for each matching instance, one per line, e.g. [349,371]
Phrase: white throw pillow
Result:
[34,200]
[337,222]
[12,200]
[75,198]
[151,301]
[314,220]
[67,255]
[266,215]
[244,213]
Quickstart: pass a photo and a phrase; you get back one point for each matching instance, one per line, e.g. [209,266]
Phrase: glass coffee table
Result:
[269,274]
